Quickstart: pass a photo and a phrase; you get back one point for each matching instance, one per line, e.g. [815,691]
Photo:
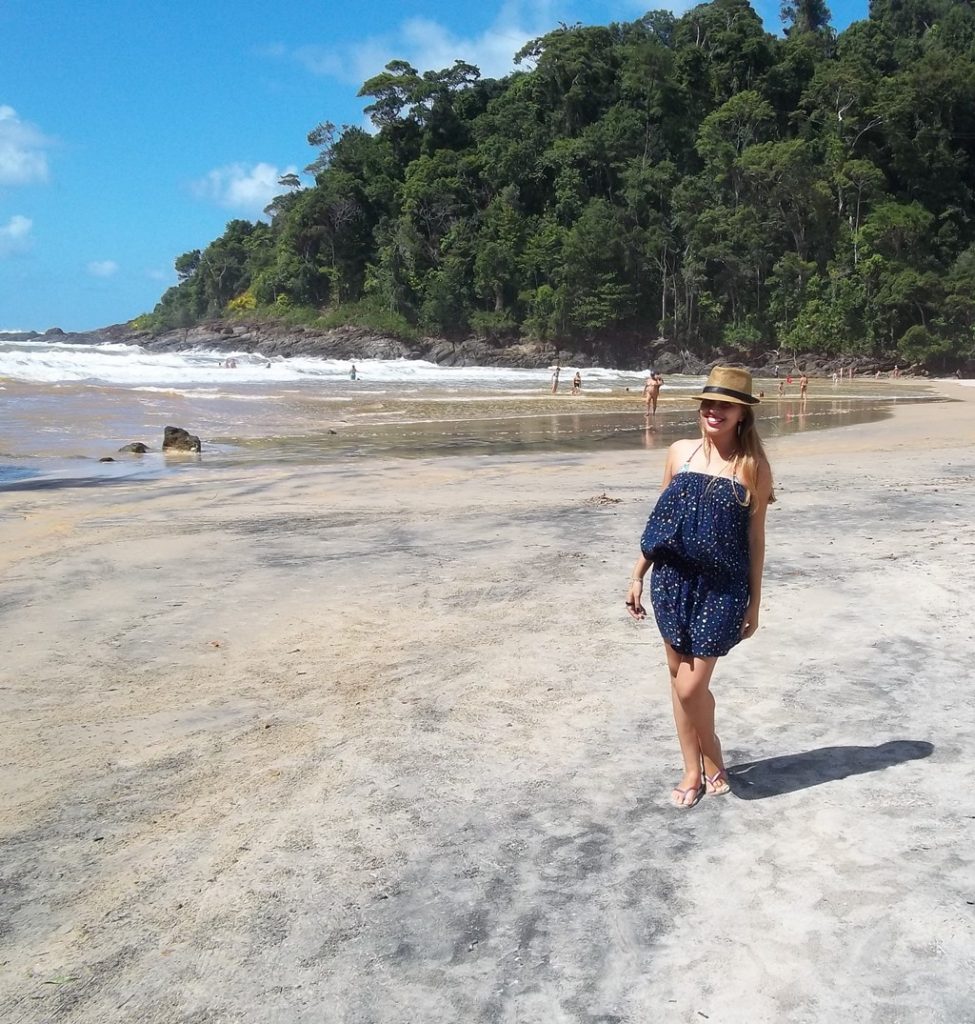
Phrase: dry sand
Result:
[379,744]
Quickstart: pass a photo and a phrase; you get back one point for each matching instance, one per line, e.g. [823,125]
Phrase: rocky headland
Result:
[621,351]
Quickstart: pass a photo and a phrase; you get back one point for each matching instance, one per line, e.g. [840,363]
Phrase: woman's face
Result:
[720,419]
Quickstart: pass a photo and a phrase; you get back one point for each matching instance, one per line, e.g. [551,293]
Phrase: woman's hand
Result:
[750,622]
[634,600]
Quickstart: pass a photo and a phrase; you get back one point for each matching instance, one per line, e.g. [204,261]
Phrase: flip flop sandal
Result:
[717,784]
[698,792]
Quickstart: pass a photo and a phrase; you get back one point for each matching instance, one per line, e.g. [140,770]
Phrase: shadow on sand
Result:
[774,776]
[58,483]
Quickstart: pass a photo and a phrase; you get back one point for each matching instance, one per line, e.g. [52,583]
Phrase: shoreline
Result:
[380,736]
[62,432]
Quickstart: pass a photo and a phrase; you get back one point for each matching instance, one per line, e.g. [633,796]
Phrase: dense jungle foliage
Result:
[693,176]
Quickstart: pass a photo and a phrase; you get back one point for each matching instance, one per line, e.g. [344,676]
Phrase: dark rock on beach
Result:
[179,440]
[137,448]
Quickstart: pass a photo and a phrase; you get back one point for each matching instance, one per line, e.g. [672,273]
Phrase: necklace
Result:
[733,479]
[724,464]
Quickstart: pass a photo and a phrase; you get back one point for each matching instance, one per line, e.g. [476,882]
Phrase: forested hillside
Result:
[695,176]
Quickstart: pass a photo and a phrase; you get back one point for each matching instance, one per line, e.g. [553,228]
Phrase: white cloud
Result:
[15,235]
[23,160]
[429,45]
[241,187]
[103,268]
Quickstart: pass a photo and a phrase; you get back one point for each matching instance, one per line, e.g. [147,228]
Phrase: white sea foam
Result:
[65,362]
[126,365]
[201,393]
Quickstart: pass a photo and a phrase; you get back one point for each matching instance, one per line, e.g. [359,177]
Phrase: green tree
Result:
[800,16]
[597,295]
[498,251]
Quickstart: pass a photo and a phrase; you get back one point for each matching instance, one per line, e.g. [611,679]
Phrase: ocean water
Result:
[65,406]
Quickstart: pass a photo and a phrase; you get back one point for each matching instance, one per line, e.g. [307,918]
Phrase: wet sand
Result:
[376,742]
[63,429]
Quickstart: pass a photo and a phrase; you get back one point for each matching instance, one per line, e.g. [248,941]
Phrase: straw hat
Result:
[728,384]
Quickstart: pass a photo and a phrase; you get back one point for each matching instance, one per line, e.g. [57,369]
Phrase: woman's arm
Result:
[756,548]
[673,461]
[634,596]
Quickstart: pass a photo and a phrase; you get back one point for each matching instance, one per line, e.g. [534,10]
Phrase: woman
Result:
[706,541]
[651,393]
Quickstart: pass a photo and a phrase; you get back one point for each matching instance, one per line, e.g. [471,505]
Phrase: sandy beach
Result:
[377,742]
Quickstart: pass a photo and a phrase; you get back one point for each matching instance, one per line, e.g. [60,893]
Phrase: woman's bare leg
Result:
[686,733]
[694,706]
[690,747]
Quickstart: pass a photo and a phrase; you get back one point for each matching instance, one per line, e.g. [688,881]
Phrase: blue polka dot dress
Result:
[697,539]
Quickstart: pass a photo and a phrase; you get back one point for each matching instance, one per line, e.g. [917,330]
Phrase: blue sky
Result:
[132,130]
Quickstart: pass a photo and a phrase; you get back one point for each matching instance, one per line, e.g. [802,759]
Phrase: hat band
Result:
[713,389]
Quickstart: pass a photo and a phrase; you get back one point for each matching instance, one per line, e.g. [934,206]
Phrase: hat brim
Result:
[720,396]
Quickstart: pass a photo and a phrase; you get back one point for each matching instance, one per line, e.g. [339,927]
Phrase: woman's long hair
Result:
[749,455]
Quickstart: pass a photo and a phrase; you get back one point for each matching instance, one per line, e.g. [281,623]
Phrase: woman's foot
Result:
[687,792]
[716,780]
[717,784]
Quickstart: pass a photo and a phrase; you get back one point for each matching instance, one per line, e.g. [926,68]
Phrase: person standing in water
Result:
[705,540]
[651,392]
[577,383]
[353,373]
[555,378]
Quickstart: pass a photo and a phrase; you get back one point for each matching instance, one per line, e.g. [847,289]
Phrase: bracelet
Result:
[636,579]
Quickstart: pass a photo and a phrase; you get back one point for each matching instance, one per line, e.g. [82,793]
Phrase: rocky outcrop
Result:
[622,350]
[352,343]
[176,439]
[136,448]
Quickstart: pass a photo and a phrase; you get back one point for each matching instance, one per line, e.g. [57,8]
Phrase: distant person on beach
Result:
[705,539]
[555,378]
[651,392]
[803,386]
[353,372]
[781,386]
[577,383]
